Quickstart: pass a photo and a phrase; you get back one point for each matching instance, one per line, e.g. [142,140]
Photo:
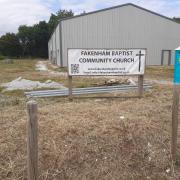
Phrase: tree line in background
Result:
[31,41]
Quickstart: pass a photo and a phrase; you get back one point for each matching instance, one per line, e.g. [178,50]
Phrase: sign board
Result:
[177,66]
[96,62]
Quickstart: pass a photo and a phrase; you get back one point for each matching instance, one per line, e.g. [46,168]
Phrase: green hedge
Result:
[2,57]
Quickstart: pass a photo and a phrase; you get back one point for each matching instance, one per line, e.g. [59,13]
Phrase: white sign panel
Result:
[95,62]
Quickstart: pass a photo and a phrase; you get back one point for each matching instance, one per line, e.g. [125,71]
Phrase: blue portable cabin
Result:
[177,66]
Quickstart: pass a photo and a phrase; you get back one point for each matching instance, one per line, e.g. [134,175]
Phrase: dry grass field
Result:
[89,138]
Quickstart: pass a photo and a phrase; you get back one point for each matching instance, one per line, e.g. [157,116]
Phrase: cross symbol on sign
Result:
[140,59]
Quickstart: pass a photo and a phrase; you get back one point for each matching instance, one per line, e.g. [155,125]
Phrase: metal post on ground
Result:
[32,141]
[140,85]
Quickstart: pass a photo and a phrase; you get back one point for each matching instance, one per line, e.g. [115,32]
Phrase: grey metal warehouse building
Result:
[124,26]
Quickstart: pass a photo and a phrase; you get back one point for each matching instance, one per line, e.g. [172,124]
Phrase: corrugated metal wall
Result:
[123,27]
[57,49]
[54,47]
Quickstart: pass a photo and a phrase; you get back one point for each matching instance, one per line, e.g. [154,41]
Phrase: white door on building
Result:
[166,57]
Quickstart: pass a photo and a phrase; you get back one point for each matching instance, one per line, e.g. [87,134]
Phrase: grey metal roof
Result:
[114,7]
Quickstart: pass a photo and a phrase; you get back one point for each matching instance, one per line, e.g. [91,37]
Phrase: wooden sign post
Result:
[32,141]
[175,106]
[175,109]
[70,88]
[140,85]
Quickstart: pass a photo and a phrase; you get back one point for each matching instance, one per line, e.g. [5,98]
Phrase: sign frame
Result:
[107,49]
[140,77]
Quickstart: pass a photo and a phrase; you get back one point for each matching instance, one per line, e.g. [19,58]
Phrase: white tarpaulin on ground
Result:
[97,62]
[25,84]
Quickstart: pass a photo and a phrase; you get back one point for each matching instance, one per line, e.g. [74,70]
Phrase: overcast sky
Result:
[17,12]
